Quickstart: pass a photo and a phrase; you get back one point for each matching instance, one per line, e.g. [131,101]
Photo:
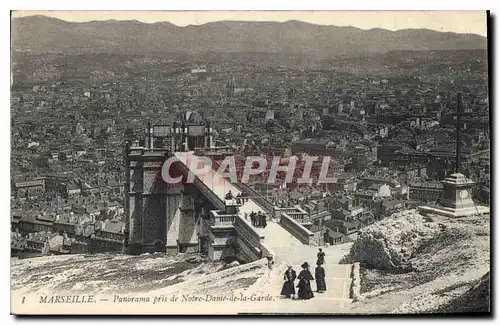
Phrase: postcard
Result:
[250,163]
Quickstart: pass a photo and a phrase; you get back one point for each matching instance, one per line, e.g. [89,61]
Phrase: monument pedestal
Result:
[456,200]
[450,212]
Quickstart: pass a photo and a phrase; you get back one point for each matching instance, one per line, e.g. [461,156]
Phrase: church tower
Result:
[230,87]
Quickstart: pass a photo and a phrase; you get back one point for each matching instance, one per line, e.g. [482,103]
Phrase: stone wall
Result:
[153,219]
[296,229]
[220,253]
[318,238]
[247,252]
[248,241]
[356,283]
[243,229]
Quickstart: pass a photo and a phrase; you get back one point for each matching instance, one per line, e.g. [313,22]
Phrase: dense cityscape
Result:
[391,133]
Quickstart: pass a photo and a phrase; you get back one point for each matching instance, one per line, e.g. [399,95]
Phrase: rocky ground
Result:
[108,273]
[423,264]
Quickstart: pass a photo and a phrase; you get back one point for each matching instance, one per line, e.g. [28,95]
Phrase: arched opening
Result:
[231,258]
[159,246]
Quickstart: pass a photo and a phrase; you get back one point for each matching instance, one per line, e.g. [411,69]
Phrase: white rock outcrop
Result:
[390,243]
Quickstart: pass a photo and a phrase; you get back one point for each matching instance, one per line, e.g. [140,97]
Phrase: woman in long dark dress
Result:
[320,279]
[259,220]
[321,257]
[288,287]
[253,217]
[305,277]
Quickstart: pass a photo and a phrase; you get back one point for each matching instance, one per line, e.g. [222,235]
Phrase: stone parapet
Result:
[296,229]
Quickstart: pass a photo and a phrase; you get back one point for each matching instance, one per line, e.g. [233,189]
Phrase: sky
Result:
[445,21]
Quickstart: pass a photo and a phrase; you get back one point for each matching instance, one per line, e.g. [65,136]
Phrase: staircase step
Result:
[332,271]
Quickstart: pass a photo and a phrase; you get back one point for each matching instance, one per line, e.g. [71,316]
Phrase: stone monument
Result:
[456,199]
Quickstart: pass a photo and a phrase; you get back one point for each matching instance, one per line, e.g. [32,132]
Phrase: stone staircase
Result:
[287,250]
[278,240]
[335,300]
[338,281]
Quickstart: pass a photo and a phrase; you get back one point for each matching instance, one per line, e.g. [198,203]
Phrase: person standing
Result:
[259,219]
[321,257]
[264,221]
[229,195]
[305,277]
[320,279]
[252,218]
[288,288]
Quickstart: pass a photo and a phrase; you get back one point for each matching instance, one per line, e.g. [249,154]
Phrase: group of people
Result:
[305,277]
[240,198]
[259,219]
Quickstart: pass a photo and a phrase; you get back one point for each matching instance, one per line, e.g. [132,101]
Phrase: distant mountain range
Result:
[294,38]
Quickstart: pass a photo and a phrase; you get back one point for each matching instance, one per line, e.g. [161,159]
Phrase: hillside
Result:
[416,264]
[43,34]
[108,273]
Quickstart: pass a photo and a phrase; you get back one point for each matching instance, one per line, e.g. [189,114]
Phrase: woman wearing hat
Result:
[288,287]
[321,257]
[305,277]
[320,278]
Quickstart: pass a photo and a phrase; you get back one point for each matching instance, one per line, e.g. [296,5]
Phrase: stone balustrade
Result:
[299,217]
[289,210]
[219,220]
[248,240]
[296,213]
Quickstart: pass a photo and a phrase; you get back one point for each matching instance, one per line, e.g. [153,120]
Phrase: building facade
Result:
[163,216]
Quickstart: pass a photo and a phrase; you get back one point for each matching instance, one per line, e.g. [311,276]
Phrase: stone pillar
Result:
[172,215]
[206,136]
[172,143]
[134,206]
[187,225]
[135,224]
